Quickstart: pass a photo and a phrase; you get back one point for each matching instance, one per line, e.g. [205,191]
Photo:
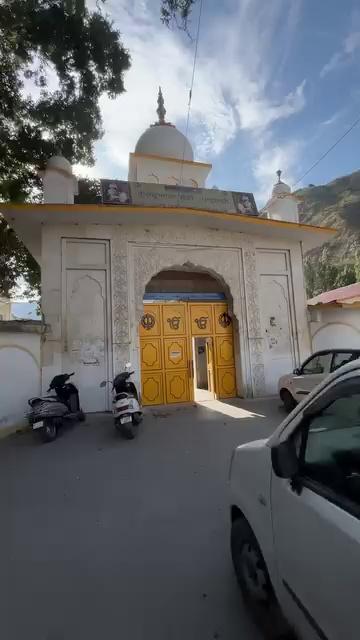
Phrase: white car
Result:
[295,511]
[294,386]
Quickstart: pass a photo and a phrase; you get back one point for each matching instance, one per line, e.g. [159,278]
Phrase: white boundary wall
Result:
[20,373]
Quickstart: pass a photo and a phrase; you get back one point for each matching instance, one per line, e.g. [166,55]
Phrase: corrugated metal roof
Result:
[343,295]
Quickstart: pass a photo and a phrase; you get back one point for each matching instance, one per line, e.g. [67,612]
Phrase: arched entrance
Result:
[187,334]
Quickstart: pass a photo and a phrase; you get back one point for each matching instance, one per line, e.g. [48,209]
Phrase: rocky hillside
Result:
[336,204]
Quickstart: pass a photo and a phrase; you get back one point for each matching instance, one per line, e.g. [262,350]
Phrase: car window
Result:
[342,358]
[320,363]
[332,450]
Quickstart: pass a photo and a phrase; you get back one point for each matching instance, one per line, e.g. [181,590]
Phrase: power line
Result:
[328,151]
[191,87]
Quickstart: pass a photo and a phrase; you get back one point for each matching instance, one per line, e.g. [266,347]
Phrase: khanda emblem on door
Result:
[224,320]
[148,321]
[202,322]
[174,322]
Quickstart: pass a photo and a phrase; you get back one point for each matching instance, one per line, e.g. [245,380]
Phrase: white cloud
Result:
[233,88]
[334,63]
[344,56]
[334,118]
[260,113]
[352,42]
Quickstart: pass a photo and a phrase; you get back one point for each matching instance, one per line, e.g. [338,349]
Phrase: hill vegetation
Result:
[336,204]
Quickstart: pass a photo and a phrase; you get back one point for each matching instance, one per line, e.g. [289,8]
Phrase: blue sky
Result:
[276,84]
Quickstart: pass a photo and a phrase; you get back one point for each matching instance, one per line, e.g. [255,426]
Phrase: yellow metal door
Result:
[177,386]
[175,350]
[150,349]
[152,387]
[222,319]
[210,364]
[166,332]
[174,319]
[224,351]
[175,353]
[152,377]
[226,382]
[201,323]
[150,323]
[165,364]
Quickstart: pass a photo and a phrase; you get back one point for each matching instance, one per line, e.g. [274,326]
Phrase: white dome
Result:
[281,188]
[59,162]
[165,140]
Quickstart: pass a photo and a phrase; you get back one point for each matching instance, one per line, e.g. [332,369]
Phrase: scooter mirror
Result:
[128,366]
[103,384]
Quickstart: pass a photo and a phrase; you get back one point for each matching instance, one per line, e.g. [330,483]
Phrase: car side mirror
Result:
[297,372]
[285,462]
[103,384]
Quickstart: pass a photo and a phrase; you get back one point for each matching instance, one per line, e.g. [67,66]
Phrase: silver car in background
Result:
[293,387]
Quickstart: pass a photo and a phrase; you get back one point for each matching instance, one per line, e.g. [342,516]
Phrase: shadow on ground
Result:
[107,538]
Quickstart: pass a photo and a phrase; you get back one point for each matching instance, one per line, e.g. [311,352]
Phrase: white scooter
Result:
[126,403]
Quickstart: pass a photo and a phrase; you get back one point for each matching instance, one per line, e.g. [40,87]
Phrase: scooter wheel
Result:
[137,417]
[81,416]
[49,431]
[126,430]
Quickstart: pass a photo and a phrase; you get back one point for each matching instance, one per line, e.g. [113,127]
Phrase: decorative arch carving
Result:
[226,266]
[150,262]
[153,178]
[136,258]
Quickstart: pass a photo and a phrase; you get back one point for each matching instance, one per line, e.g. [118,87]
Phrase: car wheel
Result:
[288,400]
[253,577]
[249,565]
[49,431]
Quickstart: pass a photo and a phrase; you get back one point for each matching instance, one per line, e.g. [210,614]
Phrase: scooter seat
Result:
[32,401]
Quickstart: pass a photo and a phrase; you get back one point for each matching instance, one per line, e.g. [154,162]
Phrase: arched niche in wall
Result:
[153,178]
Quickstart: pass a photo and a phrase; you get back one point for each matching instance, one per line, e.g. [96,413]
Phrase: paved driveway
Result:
[107,539]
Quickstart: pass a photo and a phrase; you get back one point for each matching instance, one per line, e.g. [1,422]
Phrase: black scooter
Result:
[49,412]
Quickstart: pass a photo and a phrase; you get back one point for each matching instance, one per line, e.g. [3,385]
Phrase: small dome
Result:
[280,188]
[165,140]
[59,162]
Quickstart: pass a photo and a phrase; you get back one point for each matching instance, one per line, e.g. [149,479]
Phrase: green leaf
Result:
[51,43]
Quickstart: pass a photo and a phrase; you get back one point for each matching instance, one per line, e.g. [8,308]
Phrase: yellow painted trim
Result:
[155,157]
[166,210]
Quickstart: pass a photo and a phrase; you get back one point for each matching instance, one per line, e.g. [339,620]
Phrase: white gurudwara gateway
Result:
[201,293]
